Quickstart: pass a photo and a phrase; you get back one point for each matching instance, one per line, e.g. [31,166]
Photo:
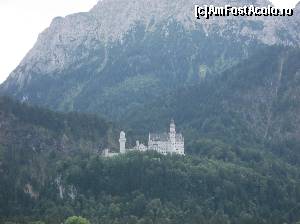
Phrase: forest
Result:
[150,188]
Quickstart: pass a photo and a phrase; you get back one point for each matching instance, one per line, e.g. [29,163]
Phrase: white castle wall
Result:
[172,144]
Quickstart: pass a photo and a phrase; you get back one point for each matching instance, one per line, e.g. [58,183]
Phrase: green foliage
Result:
[1,152]
[76,220]
[152,188]
[31,129]
[77,125]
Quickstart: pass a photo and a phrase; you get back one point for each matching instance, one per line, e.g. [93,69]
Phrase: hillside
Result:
[29,138]
[253,104]
[49,171]
[39,129]
[151,188]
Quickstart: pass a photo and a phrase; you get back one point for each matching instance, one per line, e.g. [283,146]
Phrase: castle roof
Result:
[159,137]
[164,137]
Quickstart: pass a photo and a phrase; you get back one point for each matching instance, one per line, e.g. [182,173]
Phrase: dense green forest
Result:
[151,188]
[27,127]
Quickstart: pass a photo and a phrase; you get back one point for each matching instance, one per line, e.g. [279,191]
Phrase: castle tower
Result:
[122,141]
[173,135]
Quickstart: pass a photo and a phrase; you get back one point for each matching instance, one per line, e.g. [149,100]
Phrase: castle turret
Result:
[122,141]
[173,135]
[172,127]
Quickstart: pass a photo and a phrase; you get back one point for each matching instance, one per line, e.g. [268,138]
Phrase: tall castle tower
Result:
[122,141]
[173,135]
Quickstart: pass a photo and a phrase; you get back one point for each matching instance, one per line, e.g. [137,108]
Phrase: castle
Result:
[166,143]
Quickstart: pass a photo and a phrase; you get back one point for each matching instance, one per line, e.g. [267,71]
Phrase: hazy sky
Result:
[285,3]
[22,20]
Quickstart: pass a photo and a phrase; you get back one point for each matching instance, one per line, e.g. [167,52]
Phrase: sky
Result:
[285,3]
[22,20]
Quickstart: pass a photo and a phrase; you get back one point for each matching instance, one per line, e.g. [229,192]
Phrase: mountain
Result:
[232,85]
[122,54]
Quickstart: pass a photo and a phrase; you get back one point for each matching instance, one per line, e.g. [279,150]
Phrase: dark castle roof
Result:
[164,137]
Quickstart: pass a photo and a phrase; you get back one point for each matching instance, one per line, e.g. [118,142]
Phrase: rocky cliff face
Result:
[70,41]
[122,53]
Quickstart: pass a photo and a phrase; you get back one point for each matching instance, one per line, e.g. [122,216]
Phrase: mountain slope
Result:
[123,53]
[254,103]
[38,129]
[31,139]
